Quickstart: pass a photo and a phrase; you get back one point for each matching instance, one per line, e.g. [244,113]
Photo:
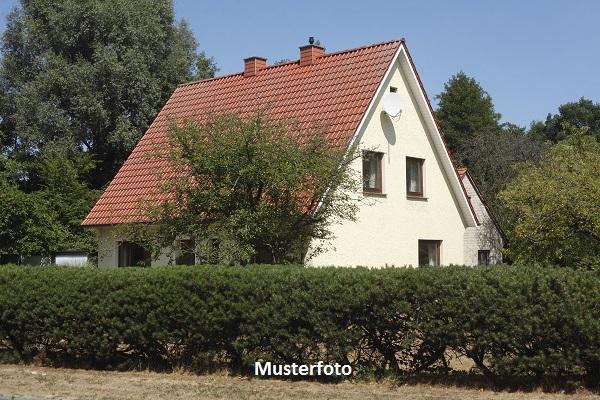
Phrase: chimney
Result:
[310,53]
[254,64]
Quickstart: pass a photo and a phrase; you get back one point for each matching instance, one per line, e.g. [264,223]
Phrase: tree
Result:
[465,110]
[67,196]
[250,187]
[90,75]
[27,226]
[492,157]
[581,114]
[555,205]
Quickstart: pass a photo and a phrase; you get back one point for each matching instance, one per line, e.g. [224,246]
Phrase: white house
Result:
[422,209]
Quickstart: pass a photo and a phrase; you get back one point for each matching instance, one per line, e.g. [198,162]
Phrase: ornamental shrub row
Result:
[510,321]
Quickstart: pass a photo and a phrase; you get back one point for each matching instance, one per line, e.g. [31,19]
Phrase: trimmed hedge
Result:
[511,321]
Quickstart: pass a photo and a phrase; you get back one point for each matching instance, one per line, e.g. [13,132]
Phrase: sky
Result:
[530,56]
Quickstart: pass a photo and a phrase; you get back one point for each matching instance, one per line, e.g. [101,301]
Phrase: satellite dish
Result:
[392,104]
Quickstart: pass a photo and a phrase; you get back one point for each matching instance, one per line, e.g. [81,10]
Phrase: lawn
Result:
[42,383]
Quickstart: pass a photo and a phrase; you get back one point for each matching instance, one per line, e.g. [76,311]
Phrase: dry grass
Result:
[54,383]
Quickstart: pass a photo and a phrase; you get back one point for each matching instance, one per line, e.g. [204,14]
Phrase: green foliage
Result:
[492,158]
[465,110]
[91,75]
[479,142]
[27,226]
[67,196]
[521,322]
[554,206]
[48,219]
[79,83]
[253,185]
[583,114]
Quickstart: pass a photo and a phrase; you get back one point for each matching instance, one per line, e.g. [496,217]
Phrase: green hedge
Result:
[511,321]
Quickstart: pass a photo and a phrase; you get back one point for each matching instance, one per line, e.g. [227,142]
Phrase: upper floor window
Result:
[372,171]
[414,176]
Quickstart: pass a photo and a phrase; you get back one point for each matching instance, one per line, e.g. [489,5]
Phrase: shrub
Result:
[511,321]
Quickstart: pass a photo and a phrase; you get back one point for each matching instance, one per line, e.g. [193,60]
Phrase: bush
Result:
[511,321]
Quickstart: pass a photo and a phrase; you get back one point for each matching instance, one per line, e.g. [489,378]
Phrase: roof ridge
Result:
[363,47]
[401,40]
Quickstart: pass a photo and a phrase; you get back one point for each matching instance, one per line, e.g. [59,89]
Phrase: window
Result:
[414,177]
[186,253]
[429,252]
[371,164]
[483,257]
[133,255]
[209,251]
[393,89]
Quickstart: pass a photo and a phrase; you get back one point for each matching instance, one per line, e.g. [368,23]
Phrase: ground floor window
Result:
[483,257]
[429,252]
[186,253]
[133,255]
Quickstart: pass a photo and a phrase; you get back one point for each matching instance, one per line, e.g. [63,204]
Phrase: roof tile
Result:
[335,91]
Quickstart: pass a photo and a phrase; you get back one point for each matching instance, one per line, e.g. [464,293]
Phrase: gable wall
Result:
[483,237]
[388,229]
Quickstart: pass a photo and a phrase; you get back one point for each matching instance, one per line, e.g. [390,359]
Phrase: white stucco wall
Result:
[387,231]
[483,237]
[108,245]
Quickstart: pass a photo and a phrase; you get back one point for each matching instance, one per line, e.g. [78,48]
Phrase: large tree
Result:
[555,205]
[492,157]
[90,75]
[27,224]
[464,111]
[583,114]
[479,142]
[253,186]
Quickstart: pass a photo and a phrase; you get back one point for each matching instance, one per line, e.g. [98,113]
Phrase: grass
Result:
[55,383]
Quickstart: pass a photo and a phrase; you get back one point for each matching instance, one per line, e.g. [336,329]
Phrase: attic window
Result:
[393,89]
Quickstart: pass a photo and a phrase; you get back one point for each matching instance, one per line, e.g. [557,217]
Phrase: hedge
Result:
[511,321]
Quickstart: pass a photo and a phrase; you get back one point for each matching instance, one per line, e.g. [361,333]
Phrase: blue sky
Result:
[531,56]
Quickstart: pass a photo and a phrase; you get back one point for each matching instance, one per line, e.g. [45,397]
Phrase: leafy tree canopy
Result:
[583,114]
[90,75]
[257,188]
[492,159]
[80,80]
[27,226]
[465,110]
[44,221]
[555,205]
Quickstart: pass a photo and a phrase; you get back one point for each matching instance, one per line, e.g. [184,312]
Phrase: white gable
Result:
[390,226]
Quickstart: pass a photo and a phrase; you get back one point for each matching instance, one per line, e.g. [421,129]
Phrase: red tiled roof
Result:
[334,92]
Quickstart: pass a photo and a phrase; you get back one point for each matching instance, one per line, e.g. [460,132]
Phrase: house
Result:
[421,209]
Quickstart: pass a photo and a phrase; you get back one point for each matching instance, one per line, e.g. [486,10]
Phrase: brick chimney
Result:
[310,53]
[254,64]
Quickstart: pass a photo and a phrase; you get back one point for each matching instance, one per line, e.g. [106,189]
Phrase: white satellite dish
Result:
[392,104]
